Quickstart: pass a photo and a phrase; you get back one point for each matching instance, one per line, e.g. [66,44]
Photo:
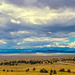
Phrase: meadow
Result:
[33,67]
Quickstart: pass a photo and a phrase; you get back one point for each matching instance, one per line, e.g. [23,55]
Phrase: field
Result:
[20,68]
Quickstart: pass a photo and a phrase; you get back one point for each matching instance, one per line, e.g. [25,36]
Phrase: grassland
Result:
[20,68]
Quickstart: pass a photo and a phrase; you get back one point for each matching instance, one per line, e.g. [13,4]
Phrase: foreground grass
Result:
[33,73]
[20,69]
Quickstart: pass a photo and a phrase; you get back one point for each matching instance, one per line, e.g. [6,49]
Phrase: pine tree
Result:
[51,71]
[54,72]
[68,70]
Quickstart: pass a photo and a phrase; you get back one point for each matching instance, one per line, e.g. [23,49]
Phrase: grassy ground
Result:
[20,69]
[32,73]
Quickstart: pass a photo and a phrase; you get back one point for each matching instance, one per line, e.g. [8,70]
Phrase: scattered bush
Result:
[62,70]
[3,69]
[54,72]
[7,70]
[11,70]
[68,70]
[1,63]
[27,70]
[51,71]
[34,69]
[16,64]
[43,71]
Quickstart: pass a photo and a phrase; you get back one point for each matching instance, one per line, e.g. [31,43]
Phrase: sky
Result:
[37,24]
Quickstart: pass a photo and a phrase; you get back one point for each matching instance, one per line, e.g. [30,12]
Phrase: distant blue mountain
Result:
[39,50]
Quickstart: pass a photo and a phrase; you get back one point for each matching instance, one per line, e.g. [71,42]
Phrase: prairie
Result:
[20,68]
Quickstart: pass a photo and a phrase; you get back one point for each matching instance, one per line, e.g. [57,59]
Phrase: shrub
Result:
[68,70]
[62,70]
[43,71]
[3,69]
[34,69]
[1,63]
[11,70]
[27,70]
[16,64]
[51,71]
[7,70]
[54,72]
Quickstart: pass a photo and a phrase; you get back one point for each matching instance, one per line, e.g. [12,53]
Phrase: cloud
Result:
[22,34]
[43,46]
[63,34]
[71,45]
[56,44]
[53,44]
[45,23]
[32,15]
[3,20]
[19,32]
[42,39]
[22,2]
[54,4]
[3,42]
[14,21]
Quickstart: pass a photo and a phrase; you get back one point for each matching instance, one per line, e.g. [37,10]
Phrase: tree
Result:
[68,70]
[1,63]
[11,70]
[54,72]
[62,70]
[43,71]
[7,70]
[3,69]
[27,70]
[34,69]
[51,71]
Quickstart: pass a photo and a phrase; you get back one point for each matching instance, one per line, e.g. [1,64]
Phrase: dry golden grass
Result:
[33,73]
[20,69]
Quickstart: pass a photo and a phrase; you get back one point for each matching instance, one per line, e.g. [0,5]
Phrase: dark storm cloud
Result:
[56,28]
[58,3]
[42,3]
[22,2]
[36,31]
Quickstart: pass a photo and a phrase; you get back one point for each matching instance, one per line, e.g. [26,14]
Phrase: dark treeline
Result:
[12,63]
[68,59]
[51,61]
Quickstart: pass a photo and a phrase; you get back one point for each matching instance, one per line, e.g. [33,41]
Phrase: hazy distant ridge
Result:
[39,50]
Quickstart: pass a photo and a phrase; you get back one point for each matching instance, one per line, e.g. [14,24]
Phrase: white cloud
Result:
[15,21]
[3,42]
[54,44]
[71,45]
[19,33]
[23,33]
[38,16]
[42,39]
[43,46]
[49,32]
